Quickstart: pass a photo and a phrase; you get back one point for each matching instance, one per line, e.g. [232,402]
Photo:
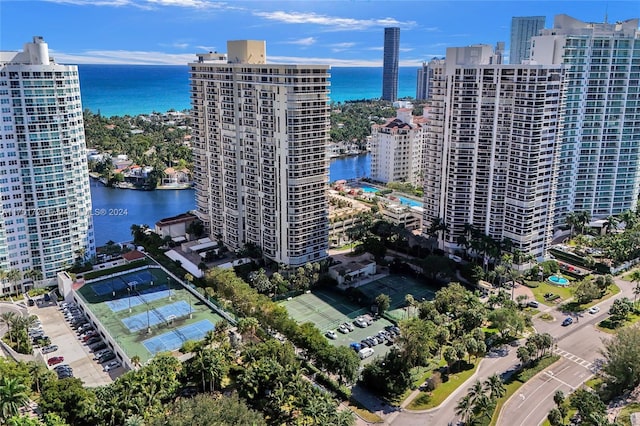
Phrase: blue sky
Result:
[338,33]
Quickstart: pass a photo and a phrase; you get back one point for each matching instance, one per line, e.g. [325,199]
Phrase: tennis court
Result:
[146,296]
[159,305]
[397,287]
[125,281]
[174,339]
[157,315]
[326,310]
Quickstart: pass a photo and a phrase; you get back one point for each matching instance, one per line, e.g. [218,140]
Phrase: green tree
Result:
[494,386]
[587,403]
[555,417]
[13,395]
[417,341]
[205,410]
[68,399]
[635,278]
[586,291]
[464,408]
[622,360]
[620,310]
[383,301]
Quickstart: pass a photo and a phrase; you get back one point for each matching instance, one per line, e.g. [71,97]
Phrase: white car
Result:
[594,310]
[343,329]
[331,334]
[360,322]
[112,365]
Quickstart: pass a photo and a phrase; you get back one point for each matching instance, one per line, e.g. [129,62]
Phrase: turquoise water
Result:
[142,89]
[410,202]
[558,280]
[369,189]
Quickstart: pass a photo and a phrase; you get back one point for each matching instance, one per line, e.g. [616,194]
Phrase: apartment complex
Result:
[424,78]
[260,137]
[492,148]
[599,159]
[390,63]
[397,148]
[522,29]
[46,220]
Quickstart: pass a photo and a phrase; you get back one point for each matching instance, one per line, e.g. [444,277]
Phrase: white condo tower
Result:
[46,220]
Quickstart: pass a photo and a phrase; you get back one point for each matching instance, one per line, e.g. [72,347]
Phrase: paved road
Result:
[579,345]
[492,364]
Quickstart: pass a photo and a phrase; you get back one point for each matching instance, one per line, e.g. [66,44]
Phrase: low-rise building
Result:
[347,273]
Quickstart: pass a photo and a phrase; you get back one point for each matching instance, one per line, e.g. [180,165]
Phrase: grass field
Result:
[145,303]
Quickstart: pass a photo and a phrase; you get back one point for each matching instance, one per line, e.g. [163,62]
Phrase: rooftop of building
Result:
[183,217]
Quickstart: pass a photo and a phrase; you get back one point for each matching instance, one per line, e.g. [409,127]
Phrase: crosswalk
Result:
[571,357]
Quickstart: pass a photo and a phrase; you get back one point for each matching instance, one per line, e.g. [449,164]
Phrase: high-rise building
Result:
[260,137]
[600,155]
[390,64]
[425,76]
[396,149]
[492,149]
[522,29]
[46,220]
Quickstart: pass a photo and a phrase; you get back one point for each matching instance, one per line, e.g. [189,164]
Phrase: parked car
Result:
[60,367]
[30,302]
[342,329]
[101,352]
[100,346]
[89,336]
[107,357]
[533,304]
[349,326]
[331,334]
[567,321]
[94,339]
[360,322]
[355,346]
[594,310]
[49,349]
[55,360]
[111,366]
[365,353]
[47,298]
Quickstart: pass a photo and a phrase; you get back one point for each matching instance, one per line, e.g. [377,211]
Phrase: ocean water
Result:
[142,89]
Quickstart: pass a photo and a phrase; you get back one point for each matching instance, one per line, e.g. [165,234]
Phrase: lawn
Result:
[576,307]
[624,417]
[362,412]
[565,292]
[519,379]
[606,325]
[426,400]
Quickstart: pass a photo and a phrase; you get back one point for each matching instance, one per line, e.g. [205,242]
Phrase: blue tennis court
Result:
[108,286]
[174,339]
[139,277]
[156,315]
[147,296]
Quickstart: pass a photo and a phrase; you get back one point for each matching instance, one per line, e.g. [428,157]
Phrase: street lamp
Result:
[129,290]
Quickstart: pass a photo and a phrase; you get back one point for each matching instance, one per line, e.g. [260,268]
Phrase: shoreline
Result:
[135,188]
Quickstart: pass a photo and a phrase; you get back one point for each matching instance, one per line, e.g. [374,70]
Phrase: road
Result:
[579,345]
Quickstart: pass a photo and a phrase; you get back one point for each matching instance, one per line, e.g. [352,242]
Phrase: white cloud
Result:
[337,23]
[150,4]
[379,48]
[303,41]
[94,3]
[405,49]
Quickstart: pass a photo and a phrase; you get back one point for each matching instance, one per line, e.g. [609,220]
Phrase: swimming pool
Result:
[410,202]
[368,189]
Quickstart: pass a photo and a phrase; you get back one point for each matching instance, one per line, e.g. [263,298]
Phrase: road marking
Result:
[550,374]
[574,358]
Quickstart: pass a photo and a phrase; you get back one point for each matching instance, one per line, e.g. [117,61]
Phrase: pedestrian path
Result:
[571,357]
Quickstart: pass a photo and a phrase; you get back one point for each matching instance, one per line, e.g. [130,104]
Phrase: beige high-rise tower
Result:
[260,137]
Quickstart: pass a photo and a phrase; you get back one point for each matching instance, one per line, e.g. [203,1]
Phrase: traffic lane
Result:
[533,401]
[494,363]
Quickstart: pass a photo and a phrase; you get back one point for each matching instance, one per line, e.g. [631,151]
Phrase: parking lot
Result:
[75,353]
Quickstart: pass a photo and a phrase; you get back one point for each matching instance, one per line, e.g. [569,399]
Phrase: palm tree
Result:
[13,395]
[410,302]
[135,361]
[9,319]
[33,274]
[584,217]
[14,275]
[464,409]
[629,218]
[572,220]
[495,386]
[635,278]
[476,391]
[248,325]
[610,224]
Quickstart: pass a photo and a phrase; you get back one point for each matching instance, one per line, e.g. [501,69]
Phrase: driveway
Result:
[75,353]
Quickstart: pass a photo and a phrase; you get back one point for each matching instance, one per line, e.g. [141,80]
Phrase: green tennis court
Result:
[326,310]
[397,287]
